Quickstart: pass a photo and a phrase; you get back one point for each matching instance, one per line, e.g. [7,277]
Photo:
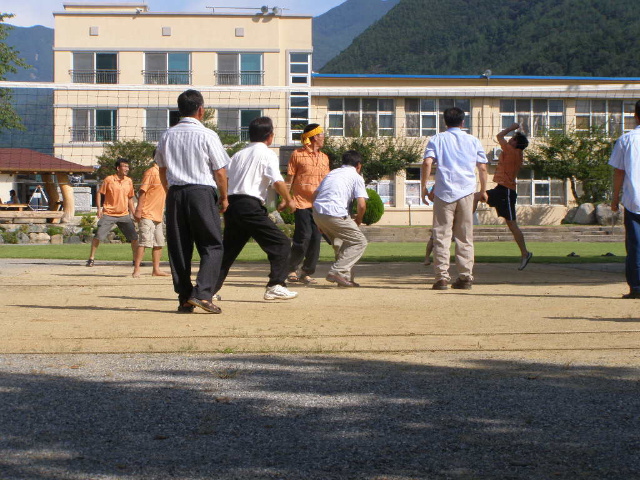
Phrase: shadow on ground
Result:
[291,417]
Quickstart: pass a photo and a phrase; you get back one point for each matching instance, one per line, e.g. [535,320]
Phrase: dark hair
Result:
[121,160]
[638,109]
[453,117]
[189,102]
[12,193]
[352,158]
[311,126]
[521,140]
[260,128]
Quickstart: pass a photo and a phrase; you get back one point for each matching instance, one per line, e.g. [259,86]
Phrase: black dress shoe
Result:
[631,295]
[185,308]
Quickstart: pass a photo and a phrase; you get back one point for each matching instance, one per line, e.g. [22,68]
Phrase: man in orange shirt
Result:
[503,196]
[307,167]
[148,214]
[115,203]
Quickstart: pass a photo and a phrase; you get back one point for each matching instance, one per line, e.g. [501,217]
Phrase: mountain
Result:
[35,46]
[510,37]
[334,30]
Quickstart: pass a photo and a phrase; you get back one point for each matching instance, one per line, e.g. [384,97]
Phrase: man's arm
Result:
[163,179]
[132,207]
[99,203]
[618,180]
[424,177]
[287,201]
[361,207]
[220,177]
[505,132]
[137,216]
[482,174]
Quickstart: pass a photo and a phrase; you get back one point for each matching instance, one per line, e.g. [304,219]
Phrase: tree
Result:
[138,152]
[231,142]
[9,63]
[580,157]
[381,156]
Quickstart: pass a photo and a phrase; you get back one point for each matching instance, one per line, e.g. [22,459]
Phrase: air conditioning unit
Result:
[494,155]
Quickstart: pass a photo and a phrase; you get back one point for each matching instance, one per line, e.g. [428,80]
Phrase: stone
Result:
[40,228]
[1,239]
[571,214]
[276,217]
[605,216]
[23,238]
[82,196]
[39,238]
[57,239]
[585,215]
[73,239]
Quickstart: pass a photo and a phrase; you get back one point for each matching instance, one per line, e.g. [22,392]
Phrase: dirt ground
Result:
[547,310]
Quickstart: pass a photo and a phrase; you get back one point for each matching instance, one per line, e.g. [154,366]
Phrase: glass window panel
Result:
[629,123]
[369,125]
[413,121]
[352,124]
[299,113]
[583,123]
[385,105]
[156,118]
[428,105]
[542,189]
[246,116]
[335,105]
[299,80]
[583,106]
[300,101]
[539,125]
[507,120]
[413,173]
[105,118]
[83,61]
[445,103]
[386,121]
[299,68]
[523,120]
[412,105]
[251,62]
[228,119]
[155,62]
[464,104]
[174,117]
[629,107]
[442,126]
[557,188]
[507,106]
[336,121]
[428,132]
[556,106]
[429,121]
[299,124]
[523,106]
[228,62]
[599,120]
[106,61]
[598,106]
[615,124]
[300,57]
[369,104]
[539,106]
[556,122]
[615,106]
[178,62]
[352,104]
[81,118]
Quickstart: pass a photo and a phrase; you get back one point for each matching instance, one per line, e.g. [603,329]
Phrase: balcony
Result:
[152,135]
[94,76]
[239,78]
[94,134]
[153,77]
[231,136]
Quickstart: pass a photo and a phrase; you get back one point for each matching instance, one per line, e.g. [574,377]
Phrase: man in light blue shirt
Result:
[625,159]
[456,155]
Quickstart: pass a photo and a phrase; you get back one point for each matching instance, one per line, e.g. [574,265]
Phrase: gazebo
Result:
[29,162]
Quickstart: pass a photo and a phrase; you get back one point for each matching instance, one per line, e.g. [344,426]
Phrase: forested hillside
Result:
[34,45]
[510,37]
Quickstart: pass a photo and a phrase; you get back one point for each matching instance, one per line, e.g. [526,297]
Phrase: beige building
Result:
[120,67]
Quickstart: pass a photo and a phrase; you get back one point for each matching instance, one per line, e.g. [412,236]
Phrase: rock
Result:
[571,214]
[23,238]
[39,238]
[585,215]
[1,239]
[276,217]
[73,239]
[605,216]
[37,228]
[57,239]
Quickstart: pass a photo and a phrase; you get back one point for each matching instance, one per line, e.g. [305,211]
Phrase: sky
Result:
[39,12]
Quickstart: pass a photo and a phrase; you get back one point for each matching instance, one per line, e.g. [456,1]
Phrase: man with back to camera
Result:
[331,214]
[115,207]
[625,159]
[456,155]
[192,164]
[307,167]
[503,196]
[251,171]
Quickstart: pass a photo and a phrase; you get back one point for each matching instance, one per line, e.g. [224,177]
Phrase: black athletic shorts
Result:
[503,199]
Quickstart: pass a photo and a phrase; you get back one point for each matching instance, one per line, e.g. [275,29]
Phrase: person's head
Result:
[453,117]
[12,193]
[353,159]
[191,104]
[122,166]
[261,130]
[519,140]
[313,136]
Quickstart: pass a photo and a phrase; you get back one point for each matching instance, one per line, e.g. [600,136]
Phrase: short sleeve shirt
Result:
[626,156]
[337,190]
[116,195]
[252,170]
[509,165]
[308,170]
[456,154]
[155,195]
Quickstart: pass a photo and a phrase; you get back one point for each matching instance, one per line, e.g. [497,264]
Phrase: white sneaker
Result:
[278,292]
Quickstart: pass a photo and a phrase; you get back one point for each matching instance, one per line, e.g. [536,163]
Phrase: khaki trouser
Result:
[353,242]
[453,218]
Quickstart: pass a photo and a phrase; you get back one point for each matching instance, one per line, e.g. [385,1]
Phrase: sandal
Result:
[293,278]
[308,280]
[205,305]
[90,262]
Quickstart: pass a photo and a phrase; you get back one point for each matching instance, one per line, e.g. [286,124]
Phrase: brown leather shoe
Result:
[462,284]
[440,285]
[339,279]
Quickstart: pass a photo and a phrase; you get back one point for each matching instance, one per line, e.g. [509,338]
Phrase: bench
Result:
[12,216]
[13,206]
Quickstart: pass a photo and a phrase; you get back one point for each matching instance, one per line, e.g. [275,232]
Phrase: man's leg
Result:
[234,238]
[518,237]
[463,235]
[136,262]
[313,250]
[352,243]
[179,243]
[156,256]
[632,244]
[443,214]
[274,243]
[94,246]
[103,228]
[300,240]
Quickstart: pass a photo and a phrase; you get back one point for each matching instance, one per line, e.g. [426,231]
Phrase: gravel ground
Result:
[435,416]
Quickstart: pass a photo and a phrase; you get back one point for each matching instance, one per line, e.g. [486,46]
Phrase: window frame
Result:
[608,116]
[167,76]
[93,133]
[362,114]
[436,114]
[92,76]
[238,76]
[507,118]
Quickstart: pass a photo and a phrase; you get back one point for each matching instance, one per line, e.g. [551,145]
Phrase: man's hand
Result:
[483,197]
[291,205]
[99,213]
[432,195]
[137,216]
[223,204]
[615,204]
[425,194]
[514,126]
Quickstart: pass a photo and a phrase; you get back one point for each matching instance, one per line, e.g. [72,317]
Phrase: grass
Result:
[486,252]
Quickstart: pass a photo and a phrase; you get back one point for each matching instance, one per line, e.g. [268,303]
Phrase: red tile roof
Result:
[25,160]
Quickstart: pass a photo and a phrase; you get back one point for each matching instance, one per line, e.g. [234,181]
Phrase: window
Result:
[424,115]
[604,114]
[629,118]
[157,121]
[298,113]
[367,117]
[240,69]
[94,125]
[95,68]
[167,68]
[412,191]
[386,189]
[535,190]
[234,123]
[535,116]
[299,68]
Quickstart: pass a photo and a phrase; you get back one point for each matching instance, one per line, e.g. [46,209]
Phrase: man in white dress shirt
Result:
[192,164]
[330,212]
[456,155]
[251,172]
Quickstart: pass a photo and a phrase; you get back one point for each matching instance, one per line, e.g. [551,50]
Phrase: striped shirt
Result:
[191,153]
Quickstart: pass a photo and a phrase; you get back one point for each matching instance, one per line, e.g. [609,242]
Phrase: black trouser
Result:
[305,248]
[193,217]
[247,218]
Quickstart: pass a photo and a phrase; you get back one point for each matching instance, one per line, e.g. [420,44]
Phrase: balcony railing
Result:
[153,77]
[153,135]
[94,76]
[239,78]
[94,134]
[239,134]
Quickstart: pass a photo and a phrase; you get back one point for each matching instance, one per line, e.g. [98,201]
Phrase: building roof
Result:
[25,160]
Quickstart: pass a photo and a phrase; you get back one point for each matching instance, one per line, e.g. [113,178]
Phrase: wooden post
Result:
[68,200]
[52,192]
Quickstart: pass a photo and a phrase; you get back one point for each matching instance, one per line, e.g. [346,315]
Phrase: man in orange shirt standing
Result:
[115,204]
[307,167]
[148,214]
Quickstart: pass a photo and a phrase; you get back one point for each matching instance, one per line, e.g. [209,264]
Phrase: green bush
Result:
[375,208]
[51,231]
[287,229]
[120,235]
[10,237]
[87,222]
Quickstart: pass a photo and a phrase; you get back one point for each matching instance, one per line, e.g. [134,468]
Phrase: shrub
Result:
[375,208]
[51,231]
[120,235]
[287,229]
[87,222]
[10,237]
